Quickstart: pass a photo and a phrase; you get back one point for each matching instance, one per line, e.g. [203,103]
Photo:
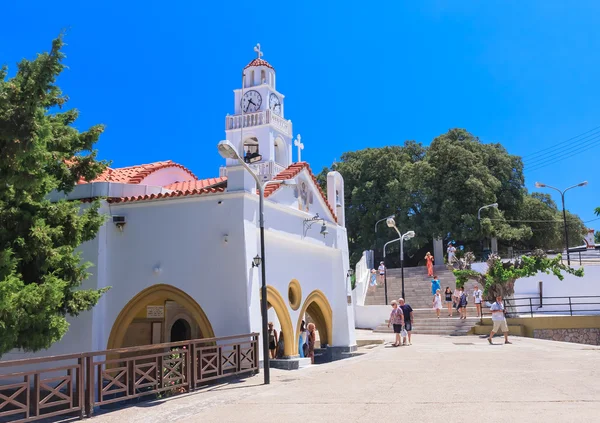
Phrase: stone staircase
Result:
[417,286]
[417,289]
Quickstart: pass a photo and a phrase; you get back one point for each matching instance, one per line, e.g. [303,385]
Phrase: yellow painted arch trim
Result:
[147,296]
[322,315]
[276,301]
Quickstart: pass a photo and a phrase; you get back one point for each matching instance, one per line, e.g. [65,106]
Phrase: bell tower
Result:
[258,129]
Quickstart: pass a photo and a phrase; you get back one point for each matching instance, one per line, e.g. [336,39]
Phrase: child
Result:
[448,295]
[437,303]
[462,303]
[477,295]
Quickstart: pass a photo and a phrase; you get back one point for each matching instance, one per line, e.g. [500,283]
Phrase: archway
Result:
[157,294]
[319,309]
[181,331]
[275,300]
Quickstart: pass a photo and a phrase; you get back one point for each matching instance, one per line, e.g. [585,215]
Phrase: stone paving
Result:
[436,379]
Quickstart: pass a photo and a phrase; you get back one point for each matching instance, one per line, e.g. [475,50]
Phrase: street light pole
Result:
[385,274]
[408,235]
[562,197]
[227,150]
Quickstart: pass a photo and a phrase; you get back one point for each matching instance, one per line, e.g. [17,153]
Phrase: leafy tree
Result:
[501,276]
[40,271]
[437,191]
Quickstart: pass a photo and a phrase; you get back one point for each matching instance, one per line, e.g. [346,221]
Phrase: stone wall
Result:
[580,336]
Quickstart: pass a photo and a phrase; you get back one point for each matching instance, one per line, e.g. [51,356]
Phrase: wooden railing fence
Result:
[73,384]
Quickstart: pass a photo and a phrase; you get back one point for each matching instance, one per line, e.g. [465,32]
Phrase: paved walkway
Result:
[437,379]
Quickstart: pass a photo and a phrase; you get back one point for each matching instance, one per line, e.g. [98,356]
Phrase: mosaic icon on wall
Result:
[304,195]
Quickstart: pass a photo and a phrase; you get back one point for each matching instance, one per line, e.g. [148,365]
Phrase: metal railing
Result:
[574,305]
[587,257]
[73,384]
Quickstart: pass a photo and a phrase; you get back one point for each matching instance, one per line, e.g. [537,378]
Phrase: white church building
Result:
[178,252]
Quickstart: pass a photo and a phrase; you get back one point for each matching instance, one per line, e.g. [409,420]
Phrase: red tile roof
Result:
[196,184]
[166,195]
[289,173]
[136,174]
[259,62]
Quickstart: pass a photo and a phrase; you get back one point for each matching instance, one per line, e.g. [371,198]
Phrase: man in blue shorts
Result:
[408,319]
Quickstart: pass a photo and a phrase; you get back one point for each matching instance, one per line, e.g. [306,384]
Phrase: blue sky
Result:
[160,75]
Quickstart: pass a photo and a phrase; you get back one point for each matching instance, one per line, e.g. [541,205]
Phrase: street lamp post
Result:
[227,151]
[385,274]
[408,235]
[562,197]
[495,205]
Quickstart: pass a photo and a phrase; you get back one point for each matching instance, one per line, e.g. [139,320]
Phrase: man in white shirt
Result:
[498,320]
[477,295]
[451,253]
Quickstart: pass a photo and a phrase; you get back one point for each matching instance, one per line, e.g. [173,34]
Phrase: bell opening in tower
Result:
[251,154]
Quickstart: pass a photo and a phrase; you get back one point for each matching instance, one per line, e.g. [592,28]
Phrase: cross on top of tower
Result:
[298,143]
[259,53]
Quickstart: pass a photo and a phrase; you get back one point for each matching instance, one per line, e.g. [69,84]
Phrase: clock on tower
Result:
[258,129]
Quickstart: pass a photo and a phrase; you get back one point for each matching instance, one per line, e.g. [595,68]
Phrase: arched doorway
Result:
[276,301]
[181,331]
[139,306]
[318,308]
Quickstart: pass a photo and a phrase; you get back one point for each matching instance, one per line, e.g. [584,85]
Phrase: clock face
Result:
[251,101]
[275,104]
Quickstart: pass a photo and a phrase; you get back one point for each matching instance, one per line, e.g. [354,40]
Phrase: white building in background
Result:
[178,251]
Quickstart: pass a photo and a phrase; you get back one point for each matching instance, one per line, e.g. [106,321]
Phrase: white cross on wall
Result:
[257,50]
[298,143]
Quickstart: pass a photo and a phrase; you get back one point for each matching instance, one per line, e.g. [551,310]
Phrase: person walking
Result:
[272,340]
[429,261]
[381,270]
[373,278]
[408,320]
[437,303]
[498,320]
[303,340]
[435,285]
[456,298]
[397,321]
[477,295]
[462,303]
[312,339]
[449,302]
[451,250]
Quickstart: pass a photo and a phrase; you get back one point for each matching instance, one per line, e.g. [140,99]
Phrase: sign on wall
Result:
[155,312]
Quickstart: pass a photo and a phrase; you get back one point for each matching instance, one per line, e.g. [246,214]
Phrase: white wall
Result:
[369,317]
[570,286]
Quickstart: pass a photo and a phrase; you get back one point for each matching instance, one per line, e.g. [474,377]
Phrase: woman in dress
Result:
[429,260]
[312,339]
[272,340]
[448,295]
[437,303]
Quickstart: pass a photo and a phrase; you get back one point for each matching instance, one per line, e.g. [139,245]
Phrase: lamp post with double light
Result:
[562,197]
[228,151]
[403,237]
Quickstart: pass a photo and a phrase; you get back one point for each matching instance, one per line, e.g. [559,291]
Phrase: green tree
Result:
[40,270]
[437,191]
[501,276]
